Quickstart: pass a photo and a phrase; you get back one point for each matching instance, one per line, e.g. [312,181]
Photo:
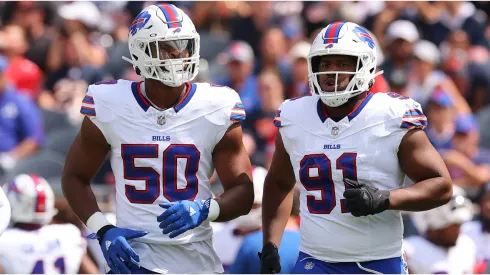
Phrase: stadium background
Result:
[434,52]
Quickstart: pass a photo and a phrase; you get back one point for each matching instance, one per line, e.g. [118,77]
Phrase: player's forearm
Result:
[80,197]
[236,201]
[276,209]
[424,195]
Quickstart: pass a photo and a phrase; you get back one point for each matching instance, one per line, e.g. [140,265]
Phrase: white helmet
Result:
[156,30]
[457,211]
[343,38]
[31,199]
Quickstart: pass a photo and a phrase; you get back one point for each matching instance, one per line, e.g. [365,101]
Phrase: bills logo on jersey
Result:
[364,36]
[139,22]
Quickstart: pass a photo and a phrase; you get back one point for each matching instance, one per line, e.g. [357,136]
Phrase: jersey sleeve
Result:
[238,112]
[282,112]
[228,111]
[88,104]
[407,115]
[413,118]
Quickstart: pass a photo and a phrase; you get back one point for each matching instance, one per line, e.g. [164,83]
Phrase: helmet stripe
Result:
[332,32]
[40,194]
[170,15]
[337,32]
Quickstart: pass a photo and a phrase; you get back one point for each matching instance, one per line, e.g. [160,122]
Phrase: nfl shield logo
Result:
[161,120]
[335,130]
[309,265]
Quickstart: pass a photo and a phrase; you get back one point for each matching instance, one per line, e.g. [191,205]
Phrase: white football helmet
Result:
[343,38]
[31,199]
[457,211]
[164,45]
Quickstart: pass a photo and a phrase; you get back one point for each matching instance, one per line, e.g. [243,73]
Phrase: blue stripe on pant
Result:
[308,265]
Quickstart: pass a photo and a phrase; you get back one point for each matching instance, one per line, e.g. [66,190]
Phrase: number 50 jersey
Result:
[161,155]
[363,146]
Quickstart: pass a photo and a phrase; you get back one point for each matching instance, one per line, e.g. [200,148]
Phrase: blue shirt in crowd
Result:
[19,119]
[247,261]
[248,93]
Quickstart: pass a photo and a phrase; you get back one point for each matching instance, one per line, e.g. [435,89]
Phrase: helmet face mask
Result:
[167,51]
[342,39]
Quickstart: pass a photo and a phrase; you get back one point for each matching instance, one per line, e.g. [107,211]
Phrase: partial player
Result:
[165,136]
[4,212]
[442,248]
[350,150]
[32,245]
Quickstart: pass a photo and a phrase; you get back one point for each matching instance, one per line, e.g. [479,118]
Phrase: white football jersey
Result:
[161,156]
[363,146]
[481,237]
[52,249]
[426,257]
[5,212]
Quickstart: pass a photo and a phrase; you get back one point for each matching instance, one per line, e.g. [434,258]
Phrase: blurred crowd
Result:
[434,52]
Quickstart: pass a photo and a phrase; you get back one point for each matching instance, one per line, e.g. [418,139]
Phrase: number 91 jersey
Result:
[161,156]
[363,146]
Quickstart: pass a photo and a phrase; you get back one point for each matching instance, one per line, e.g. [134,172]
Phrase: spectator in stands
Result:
[72,54]
[424,78]
[400,37]
[441,18]
[21,129]
[33,17]
[21,72]
[247,262]
[274,49]
[260,122]
[239,58]
[440,115]
[468,163]
[299,81]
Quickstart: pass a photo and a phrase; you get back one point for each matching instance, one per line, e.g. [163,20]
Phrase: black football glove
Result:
[269,259]
[363,200]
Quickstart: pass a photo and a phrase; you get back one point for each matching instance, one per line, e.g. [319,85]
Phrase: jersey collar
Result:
[322,110]
[145,105]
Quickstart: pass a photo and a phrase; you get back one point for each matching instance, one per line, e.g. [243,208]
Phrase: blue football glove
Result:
[182,216]
[117,252]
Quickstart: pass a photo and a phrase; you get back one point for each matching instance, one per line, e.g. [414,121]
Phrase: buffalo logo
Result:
[139,22]
[177,30]
[329,46]
[364,36]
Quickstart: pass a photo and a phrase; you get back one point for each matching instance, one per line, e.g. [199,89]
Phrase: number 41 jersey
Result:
[161,156]
[363,146]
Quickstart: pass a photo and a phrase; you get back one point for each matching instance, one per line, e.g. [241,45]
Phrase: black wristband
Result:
[101,232]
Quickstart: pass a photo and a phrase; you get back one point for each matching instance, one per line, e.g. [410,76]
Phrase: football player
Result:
[443,248]
[32,245]
[165,136]
[350,150]
[4,212]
